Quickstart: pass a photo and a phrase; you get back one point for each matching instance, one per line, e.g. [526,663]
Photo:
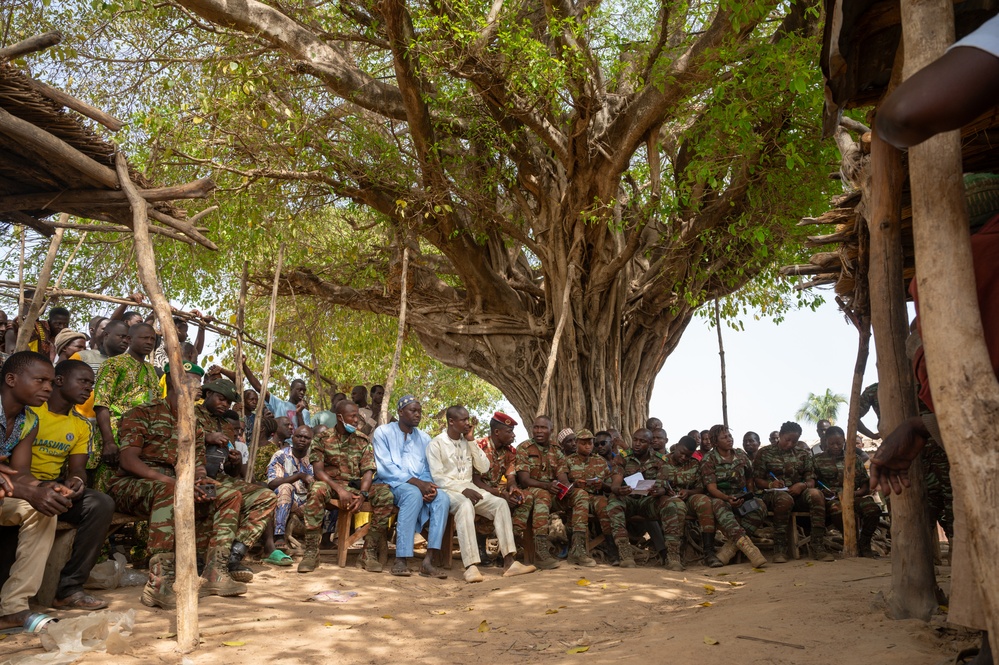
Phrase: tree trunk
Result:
[963,382]
[850,451]
[913,581]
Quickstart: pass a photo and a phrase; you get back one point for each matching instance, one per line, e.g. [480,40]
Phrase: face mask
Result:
[350,428]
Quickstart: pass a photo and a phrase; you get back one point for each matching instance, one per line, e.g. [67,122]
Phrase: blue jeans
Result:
[414,513]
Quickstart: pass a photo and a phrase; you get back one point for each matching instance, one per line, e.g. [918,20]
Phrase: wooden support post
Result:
[553,354]
[266,376]
[28,324]
[62,271]
[913,580]
[850,451]
[187,579]
[400,335]
[240,322]
[20,275]
[962,380]
[721,356]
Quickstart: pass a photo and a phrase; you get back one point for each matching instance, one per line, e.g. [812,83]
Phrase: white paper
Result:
[633,480]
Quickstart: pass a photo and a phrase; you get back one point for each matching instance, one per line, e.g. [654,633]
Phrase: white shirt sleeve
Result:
[986,38]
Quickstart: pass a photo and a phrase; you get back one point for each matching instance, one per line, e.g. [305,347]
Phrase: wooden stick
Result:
[72,255]
[961,376]
[197,189]
[266,375]
[20,277]
[54,149]
[850,451]
[240,322]
[399,337]
[721,355]
[181,226]
[760,639]
[187,579]
[553,354]
[27,326]
[30,45]
[81,107]
[98,228]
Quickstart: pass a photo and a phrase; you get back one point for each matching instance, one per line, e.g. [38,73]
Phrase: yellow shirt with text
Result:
[58,437]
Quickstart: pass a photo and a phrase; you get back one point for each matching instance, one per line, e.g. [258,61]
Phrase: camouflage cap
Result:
[223,387]
[584,434]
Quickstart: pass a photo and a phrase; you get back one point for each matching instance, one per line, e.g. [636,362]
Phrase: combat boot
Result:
[752,552]
[158,591]
[819,551]
[864,545]
[217,581]
[577,553]
[310,559]
[626,559]
[673,561]
[543,559]
[369,560]
[727,551]
[780,547]
[237,570]
[708,543]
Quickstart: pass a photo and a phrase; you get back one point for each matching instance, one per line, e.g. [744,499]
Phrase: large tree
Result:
[615,164]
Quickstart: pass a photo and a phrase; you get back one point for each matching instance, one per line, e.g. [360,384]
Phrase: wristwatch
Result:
[364,494]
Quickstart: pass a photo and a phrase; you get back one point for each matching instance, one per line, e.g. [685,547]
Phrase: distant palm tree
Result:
[820,407]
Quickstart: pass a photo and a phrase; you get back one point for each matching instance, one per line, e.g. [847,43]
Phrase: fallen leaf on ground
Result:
[944,608]
[484,626]
[708,589]
[809,563]
[234,643]
[706,603]
[439,612]
[579,649]
[721,574]
[562,607]
[166,636]
[603,586]
[759,570]
[710,640]
[583,582]
[799,584]
[551,611]
[387,616]
[736,583]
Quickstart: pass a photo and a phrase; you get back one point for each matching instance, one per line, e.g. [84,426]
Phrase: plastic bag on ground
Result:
[68,640]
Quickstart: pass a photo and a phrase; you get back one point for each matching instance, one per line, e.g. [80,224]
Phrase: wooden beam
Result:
[32,139]
[182,226]
[30,45]
[81,107]
[197,189]
[266,375]
[15,217]
[28,324]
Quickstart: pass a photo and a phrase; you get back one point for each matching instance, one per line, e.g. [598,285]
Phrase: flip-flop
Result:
[33,623]
[81,600]
[436,572]
[277,558]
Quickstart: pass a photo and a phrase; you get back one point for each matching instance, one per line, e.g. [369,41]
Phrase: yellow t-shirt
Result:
[58,437]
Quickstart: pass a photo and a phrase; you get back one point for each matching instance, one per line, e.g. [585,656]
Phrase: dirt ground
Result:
[824,613]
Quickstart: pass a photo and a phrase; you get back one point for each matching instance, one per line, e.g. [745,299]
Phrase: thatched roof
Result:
[52,161]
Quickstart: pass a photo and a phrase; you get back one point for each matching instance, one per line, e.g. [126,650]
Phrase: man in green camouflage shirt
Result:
[343,463]
[684,492]
[145,486]
[786,475]
[829,472]
[540,469]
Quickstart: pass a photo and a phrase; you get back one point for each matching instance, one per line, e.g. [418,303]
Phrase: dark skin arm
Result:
[133,464]
[525,480]
[890,465]
[109,454]
[945,95]
[618,486]
[76,475]
[863,429]
[47,497]
[348,500]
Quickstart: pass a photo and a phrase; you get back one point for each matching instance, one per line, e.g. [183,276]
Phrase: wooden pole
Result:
[72,255]
[913,581]
[28,324]
[272,315]
[962,380]
[553,354]
[240,322]
[721,355]
[187,578]
[850,451]
[400,335]
[20,276]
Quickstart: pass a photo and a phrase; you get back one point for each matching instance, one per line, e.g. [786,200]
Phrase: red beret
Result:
[499,416]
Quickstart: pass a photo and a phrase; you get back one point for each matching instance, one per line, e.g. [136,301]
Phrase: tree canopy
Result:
[820,407]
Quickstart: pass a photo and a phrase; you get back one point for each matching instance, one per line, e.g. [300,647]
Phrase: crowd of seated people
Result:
[91,429]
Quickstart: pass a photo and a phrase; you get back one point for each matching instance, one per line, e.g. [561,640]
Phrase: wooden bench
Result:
[345,538]
[795,539]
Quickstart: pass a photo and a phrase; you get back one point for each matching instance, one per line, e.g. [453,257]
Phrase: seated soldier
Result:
[750,444]
[829,475]
[290,475]
[225,462]
[401,457]
[145,486]
[727,476]
[343,463]
[589,472]
[59,455]
[566,441]
[681,490]
[275,434]
[604,446]
[659,440]
[785,474]
[500,479]
[542,473]
[642,460]
[452,458]
[26,503]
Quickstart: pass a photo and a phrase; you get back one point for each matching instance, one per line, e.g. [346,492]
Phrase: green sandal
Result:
[277,558]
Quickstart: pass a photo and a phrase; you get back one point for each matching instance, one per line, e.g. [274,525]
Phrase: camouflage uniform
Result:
[345,459]
[544,463]
[502,467]
[936,471]
[649,507]
[829,471]
[609,510]
[733,477]
[686,477]
[258,503]
[792,466]
[152,429]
